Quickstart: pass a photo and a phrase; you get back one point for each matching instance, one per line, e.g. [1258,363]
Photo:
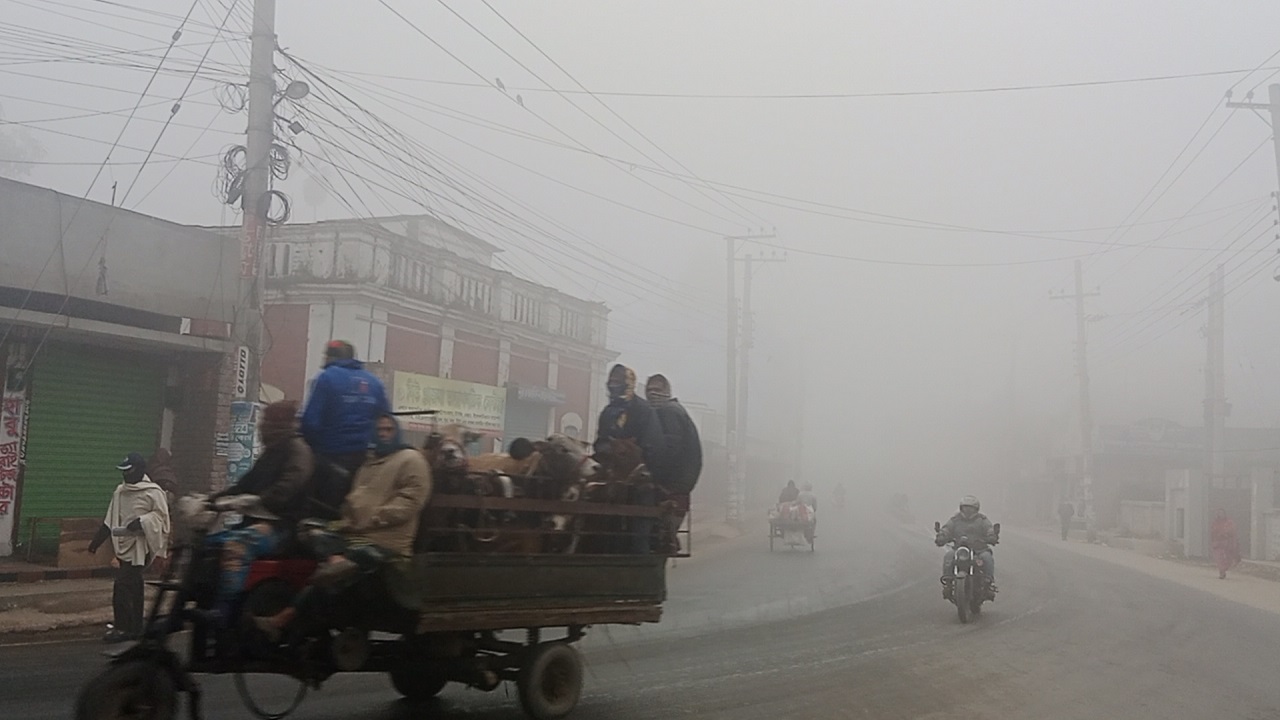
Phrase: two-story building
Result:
[114,338]
[427,310]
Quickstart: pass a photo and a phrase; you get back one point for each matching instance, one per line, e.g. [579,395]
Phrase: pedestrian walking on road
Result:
[1225,541]
[137,523]
[1066,511]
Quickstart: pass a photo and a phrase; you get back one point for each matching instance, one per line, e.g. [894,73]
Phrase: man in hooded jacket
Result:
[346,400]
[680,464]
[137,523]
[628,416]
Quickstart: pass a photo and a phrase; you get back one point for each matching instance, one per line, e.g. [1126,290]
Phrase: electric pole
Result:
[748,344]
[1084,469]
[256,182]
[733,512]
[735,390]
[1272,107]
[1216,407]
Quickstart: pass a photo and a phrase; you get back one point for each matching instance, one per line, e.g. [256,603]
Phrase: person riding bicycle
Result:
[972,524]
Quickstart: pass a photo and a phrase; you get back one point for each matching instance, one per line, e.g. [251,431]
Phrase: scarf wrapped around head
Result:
[279,422]
[657,390]
[396,444]
[624,390]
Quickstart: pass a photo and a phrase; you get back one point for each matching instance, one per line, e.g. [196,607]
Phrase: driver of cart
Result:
[276,484]
[379,521]
[790,493]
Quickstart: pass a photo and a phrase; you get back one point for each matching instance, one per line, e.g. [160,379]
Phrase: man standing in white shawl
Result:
[137,522]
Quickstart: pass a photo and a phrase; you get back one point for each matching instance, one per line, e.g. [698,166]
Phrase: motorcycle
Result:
[971,585]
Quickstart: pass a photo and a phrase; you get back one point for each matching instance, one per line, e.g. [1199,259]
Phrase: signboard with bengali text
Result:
[478,407]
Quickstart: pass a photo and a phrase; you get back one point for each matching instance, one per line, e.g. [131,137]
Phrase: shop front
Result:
[476,407]
[529,411]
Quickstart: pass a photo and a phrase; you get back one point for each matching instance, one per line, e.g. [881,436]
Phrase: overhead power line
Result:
[838,95]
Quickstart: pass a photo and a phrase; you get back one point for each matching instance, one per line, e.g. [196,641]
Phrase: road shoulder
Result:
[1240,588]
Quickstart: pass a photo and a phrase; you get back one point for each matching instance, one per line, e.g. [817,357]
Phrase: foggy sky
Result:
[912,370]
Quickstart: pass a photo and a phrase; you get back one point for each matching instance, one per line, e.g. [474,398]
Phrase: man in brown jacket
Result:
[379,520]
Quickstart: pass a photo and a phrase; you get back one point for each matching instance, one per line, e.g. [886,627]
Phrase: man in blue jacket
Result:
[346,401]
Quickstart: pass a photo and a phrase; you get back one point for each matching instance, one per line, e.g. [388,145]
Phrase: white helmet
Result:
[970,501]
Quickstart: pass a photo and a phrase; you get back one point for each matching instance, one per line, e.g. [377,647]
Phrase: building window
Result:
[279,260]
[573,324]
[526,310]
[476,294]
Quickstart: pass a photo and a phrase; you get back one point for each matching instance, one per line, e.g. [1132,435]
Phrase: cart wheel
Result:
[281,686]
[415,682]
[550,681]
[137,689]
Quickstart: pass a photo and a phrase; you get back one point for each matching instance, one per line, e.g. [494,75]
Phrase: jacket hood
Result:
[628,390]
[396,444]
[349,363]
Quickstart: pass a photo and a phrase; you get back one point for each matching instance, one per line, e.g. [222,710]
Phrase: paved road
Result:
[1071,637]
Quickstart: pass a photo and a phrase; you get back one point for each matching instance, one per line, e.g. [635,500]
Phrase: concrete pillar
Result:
[1263,500]
[553,381]
[504,362]
[446,351]
[596,398]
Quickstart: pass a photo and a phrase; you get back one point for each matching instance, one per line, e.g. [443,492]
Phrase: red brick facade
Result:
[285,362]
[475,359]
[413,346]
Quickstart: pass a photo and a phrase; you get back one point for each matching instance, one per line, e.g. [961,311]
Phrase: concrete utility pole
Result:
[1216,410]
[733,510]
[735,391]
[253,202]
[1085,466]
[1273,108]
[748,344]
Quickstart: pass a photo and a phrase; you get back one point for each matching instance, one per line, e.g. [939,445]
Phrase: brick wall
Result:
[205,413]
[413,346]
[285,363]
[528,365]
[475,358]
[575,383]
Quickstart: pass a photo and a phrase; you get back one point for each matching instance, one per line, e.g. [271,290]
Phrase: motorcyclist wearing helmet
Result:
[972,524]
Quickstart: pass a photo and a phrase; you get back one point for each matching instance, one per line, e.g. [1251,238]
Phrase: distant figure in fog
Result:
[1066,511]
[1225,542]
[790,493]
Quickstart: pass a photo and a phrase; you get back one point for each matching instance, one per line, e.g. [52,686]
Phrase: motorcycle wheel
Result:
[963,598]
[135,689]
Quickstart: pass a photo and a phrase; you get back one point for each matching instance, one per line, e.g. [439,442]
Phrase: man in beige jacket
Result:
[379,519]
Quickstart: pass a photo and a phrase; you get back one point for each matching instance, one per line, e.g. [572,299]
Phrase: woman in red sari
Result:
[1225,542]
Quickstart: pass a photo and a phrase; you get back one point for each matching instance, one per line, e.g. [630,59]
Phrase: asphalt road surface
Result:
[856,630]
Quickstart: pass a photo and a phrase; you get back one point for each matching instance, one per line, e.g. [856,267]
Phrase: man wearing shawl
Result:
[137,522]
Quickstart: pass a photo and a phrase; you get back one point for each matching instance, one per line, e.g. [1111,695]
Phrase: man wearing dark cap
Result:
[137,523]
[346,400]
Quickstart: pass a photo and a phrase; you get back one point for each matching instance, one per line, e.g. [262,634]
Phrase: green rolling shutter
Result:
[89,407]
